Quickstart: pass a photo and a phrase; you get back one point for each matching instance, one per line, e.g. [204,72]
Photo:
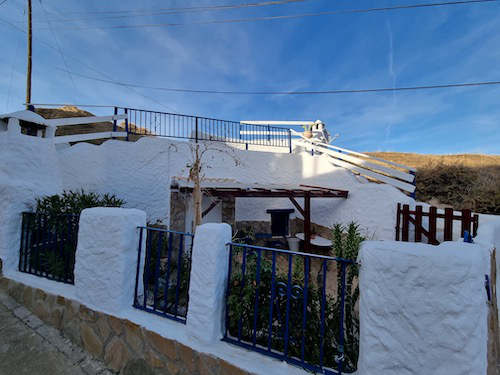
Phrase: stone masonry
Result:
[123,346]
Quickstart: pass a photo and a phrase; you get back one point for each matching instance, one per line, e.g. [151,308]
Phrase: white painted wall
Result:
[28,169]
[106,257]
[140,172]
[423,308]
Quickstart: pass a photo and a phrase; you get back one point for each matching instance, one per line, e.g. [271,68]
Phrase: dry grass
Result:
[460,181]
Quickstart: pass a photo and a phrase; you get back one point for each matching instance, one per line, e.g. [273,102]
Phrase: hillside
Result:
[460,181]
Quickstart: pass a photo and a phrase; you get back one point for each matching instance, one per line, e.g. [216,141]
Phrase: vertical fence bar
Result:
[290,140]
[196,129]
[167,275]
[138,269]
[342,304]
[256,304]
[288,297]
[322,313]
[126,122]
[114,120]
[146,267]
[448,224]
[418,224]
[398,222]
[179,273]
[157,267]
[304,306]
[271,307]
[466,222]
[228,289]
[432,225]
[475,224]
[406,222]
[243,272]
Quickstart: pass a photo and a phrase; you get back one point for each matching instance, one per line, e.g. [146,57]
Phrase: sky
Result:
[399,48]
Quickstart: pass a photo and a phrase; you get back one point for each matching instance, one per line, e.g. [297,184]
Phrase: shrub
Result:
[70,202]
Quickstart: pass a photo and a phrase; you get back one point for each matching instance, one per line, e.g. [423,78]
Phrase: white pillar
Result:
[106,257]
[209,273]
[13,128]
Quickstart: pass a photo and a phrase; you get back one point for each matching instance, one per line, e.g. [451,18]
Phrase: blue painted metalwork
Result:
[48,246]
[413,195]
[487,287]
[468,237]
[274,314]
[160,295]
[164,124]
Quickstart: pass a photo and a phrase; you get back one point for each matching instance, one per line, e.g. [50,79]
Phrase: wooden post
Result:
[432,226]
[466,222]
[307,222]
[448,224]
[475,224]
[406,223]
[398,222]
[28,75]
[418,224]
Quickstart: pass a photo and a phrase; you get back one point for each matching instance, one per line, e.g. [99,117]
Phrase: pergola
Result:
[307,192]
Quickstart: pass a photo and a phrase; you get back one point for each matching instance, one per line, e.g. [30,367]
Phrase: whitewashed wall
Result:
[423,308]
[140,172]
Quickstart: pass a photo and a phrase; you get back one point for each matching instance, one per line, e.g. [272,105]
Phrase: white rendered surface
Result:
[106,257]
[423,308]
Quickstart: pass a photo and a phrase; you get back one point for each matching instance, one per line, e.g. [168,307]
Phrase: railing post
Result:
[290,140]
[413,195]
[196,130]
[126,122]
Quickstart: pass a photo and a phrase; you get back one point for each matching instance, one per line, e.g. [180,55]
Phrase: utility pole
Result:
[28,76]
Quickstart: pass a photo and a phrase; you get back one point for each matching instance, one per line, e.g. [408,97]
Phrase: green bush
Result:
[244,291]
[74,202]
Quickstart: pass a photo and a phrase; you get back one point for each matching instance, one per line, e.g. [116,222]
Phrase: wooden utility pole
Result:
[28,75]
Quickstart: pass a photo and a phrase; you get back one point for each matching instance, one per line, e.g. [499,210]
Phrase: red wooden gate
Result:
[405,217]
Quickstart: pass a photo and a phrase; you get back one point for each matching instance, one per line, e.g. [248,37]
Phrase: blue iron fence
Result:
[287,305]
[162,284]
[48,246]
[163,124]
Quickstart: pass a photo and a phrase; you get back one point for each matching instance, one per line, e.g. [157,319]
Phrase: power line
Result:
[284,17]
[309,92]
[58,45]
[164,11]
[83,64]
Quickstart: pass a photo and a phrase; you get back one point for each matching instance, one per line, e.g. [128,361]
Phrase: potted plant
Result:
[307,131]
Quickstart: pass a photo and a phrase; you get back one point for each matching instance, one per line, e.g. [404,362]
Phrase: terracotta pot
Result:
[308,134]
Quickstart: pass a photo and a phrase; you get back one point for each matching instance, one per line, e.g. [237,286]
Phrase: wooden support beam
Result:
[211,207]
[297,206]
[307,222]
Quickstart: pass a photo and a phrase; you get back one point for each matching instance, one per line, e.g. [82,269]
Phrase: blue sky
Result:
[380,49]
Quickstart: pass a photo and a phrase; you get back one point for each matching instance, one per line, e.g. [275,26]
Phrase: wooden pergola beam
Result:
[211,207]
[297,206]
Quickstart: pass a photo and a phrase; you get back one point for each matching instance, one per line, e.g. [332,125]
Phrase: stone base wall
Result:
[124,346]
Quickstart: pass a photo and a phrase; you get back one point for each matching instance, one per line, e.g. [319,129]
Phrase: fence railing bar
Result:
[243,272]
[271,303]
[167,277]
[138,269]
[290,252]
[146,270]
[179,273]
[288,297]
[166,230]
[256,304]
[342,305]
[322,314]
[304,307]
[157,268]
[228,290]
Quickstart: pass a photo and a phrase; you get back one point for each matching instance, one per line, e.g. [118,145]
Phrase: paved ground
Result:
[29,346]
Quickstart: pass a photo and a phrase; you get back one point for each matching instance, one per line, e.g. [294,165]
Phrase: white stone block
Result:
[209,273]
[106,257]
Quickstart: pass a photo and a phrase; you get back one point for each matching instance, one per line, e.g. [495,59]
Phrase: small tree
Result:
[197,168]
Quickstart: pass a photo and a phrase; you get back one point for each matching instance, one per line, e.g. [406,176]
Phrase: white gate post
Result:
[209,273]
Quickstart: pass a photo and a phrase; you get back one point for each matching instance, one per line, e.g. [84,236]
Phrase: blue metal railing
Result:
[163,124]
[163,272]
[48,246]
[287,305]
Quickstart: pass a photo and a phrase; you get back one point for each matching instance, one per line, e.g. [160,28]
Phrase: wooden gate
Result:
[468,222]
